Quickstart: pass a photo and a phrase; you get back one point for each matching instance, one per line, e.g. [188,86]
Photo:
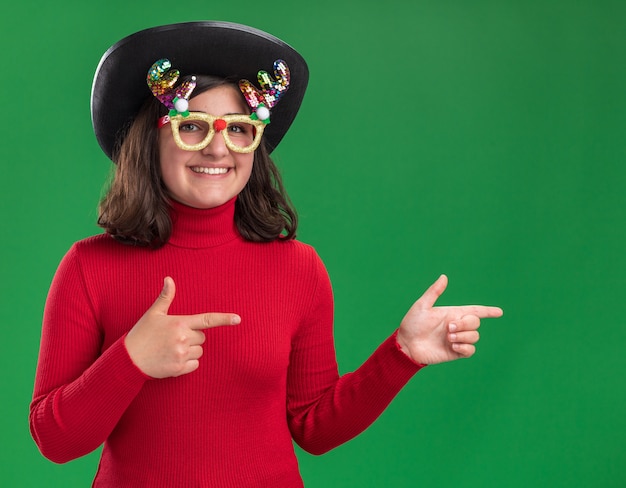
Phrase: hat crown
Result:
[216,48]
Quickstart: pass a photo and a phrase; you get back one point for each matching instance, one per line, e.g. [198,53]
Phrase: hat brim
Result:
[215,48]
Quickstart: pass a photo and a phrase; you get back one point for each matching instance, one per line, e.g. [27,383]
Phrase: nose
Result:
[217,147]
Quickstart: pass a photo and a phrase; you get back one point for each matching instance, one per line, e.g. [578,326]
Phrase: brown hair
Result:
[135,209]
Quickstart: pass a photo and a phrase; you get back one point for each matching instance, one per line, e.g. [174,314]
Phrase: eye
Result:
[193,126]
[189,127]
[240,129]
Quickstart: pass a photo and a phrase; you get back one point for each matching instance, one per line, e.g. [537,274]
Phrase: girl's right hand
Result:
[163,345]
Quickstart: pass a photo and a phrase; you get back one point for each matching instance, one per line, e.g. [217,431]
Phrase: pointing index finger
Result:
[481,311]
[214,319]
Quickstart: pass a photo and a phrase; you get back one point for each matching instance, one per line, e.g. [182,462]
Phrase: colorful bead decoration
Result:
[161,80]
[270,93]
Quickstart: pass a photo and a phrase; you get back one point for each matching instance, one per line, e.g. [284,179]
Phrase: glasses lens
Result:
[193,131]
[241,134]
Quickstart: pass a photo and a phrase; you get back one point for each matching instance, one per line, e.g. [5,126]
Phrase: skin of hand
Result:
[163,345]
[431,335]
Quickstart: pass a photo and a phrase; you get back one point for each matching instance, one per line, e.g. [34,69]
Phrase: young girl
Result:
[194,337]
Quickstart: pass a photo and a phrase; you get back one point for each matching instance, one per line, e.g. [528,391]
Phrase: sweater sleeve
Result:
[80,392]
[325,410]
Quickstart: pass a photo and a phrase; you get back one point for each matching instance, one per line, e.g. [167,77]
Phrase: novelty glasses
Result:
[196,131]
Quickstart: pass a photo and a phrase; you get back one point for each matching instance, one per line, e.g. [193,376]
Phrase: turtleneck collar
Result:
[197,228]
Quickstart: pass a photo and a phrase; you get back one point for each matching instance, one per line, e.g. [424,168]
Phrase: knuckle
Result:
[176,323]
[178,369]
[179,354]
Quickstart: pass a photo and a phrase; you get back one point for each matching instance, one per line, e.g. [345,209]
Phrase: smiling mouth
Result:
[210,171]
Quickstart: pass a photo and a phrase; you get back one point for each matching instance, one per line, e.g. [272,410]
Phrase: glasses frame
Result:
[178,119]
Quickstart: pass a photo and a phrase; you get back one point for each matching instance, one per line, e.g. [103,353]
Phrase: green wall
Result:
[483,139]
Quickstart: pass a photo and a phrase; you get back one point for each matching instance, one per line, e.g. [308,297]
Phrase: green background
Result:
[482,139]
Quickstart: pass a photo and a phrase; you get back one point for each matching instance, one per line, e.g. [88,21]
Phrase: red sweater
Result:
[262,383]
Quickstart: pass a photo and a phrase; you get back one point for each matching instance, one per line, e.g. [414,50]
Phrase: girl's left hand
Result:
[431,335]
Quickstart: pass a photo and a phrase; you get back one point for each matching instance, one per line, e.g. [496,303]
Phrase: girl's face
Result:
[211,176]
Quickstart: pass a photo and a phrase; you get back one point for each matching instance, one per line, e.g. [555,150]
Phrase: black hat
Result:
[221,49]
